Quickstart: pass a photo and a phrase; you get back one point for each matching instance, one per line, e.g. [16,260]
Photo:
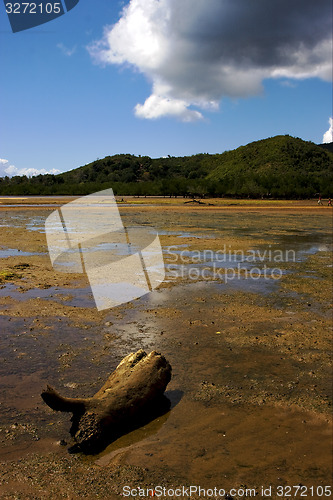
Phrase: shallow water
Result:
[304,234]
[15,252]
[72,297]
[292,238]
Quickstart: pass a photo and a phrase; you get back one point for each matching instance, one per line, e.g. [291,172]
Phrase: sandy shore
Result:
[251,389]
[156,201]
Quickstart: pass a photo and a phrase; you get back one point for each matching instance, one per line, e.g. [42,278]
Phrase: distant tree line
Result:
[279,167]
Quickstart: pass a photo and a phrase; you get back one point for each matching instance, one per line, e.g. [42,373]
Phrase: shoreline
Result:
[179,204]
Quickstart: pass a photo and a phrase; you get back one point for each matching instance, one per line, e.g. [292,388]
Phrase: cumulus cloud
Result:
[328,136]
[195,52]
[10,170]
[158,105]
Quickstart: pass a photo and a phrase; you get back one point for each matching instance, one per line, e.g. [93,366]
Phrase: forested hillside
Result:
[278,167]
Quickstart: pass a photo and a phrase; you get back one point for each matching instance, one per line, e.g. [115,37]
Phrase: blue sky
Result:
[161,77]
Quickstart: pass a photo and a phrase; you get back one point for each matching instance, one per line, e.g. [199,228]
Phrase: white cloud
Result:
[4,166]
[11,170]
[199,51]
[66,50]
[156,106]
[328,136]
[138,38]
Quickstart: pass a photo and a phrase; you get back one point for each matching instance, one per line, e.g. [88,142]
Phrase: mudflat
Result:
[243,317]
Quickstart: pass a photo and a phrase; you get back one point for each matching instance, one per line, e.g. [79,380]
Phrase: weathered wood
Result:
[195,201]
[132,393]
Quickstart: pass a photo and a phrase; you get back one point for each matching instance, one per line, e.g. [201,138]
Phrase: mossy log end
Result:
[132,395]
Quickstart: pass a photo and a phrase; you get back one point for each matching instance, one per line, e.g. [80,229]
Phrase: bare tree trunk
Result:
[132,394]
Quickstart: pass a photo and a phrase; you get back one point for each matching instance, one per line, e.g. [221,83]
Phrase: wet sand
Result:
[251,389]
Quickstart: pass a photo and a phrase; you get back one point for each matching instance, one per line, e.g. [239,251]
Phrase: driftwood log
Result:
[132,396]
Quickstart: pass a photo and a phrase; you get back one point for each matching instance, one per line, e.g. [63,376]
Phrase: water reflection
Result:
[141,433]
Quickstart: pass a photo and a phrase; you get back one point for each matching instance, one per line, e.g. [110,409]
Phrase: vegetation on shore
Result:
[278,167]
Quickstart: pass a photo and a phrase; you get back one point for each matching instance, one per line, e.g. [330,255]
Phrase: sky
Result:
[162,77]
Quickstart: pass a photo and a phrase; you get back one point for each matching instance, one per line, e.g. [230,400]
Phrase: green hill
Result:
[328,146]
[280,167]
